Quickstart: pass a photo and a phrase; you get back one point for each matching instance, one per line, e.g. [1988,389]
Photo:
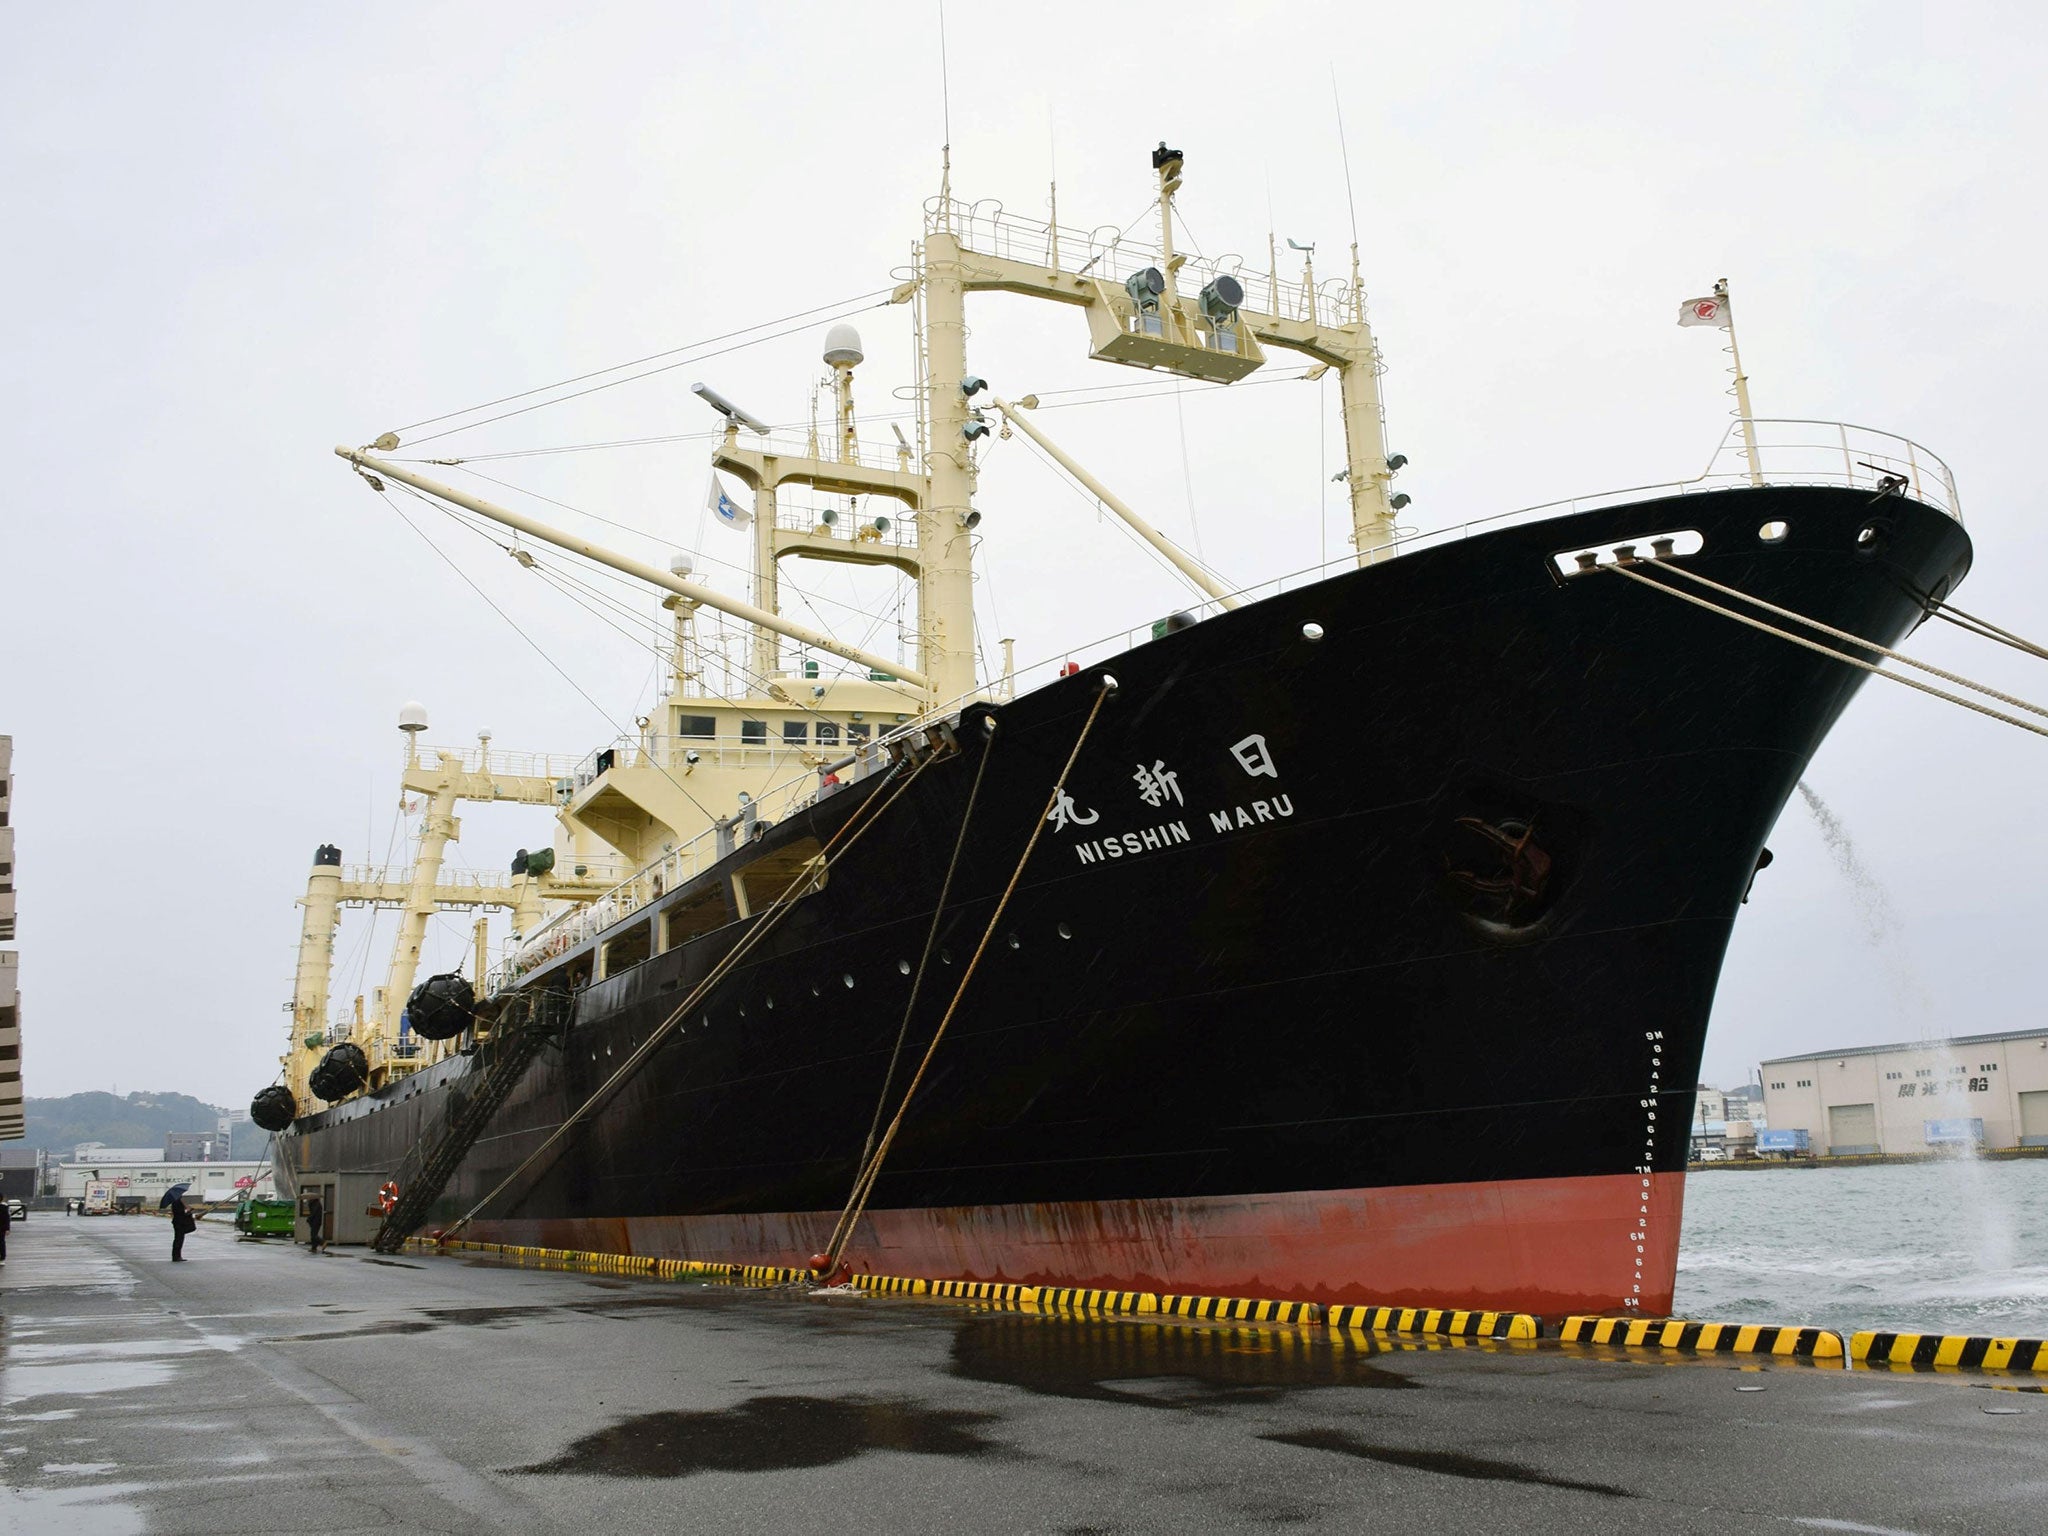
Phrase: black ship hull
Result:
[1372,961]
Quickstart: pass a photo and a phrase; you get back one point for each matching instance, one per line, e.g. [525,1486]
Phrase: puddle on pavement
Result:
[360,1331]
[427,1319]
[1447,1463]
[392,1263]
[88,1511]
[84,1378]
[1161,1364]
[104,1349]
[771,1434]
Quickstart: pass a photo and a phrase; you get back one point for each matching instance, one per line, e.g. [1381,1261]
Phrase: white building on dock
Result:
[1985,1090]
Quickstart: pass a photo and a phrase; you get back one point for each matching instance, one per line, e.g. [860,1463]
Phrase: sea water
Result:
[1955,1245]
[1952,1246]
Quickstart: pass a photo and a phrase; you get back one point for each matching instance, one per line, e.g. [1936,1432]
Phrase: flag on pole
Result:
[724,508]
[1712,310]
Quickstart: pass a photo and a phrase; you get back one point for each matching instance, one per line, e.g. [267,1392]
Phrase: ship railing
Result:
[572,926]
[1790,451]
[858,532]
[401,875]
[1112,255]
[866,455]
[490,760]
[772,751]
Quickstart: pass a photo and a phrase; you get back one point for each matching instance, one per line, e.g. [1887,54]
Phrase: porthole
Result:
[903,966]
[945,956]
[771,1004]
[848,980]
[1015,942]
[816,993]
[1774,532]
[1311,631]
[1065,931]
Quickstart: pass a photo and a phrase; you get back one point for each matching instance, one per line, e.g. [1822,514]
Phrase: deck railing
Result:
[1112,255]
[1790,451]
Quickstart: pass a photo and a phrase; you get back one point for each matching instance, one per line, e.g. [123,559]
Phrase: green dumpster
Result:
[265,1218]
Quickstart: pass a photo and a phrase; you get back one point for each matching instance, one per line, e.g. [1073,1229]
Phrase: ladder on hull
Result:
[530,1022]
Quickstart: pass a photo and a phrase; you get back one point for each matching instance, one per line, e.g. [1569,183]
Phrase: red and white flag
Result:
[1711,310]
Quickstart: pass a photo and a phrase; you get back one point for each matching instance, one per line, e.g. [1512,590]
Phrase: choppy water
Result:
[1951,1247]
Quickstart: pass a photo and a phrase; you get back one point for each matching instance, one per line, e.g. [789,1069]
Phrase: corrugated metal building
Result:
[1987,1090]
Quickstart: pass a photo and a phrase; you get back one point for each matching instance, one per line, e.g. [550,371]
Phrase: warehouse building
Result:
[144,1179]
[1989,1091]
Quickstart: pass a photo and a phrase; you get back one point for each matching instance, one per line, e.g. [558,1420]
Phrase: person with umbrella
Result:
[182,1220]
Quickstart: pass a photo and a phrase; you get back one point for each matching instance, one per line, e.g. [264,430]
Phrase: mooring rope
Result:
[1853,639]
[1822,650]
[783,904]
[864,1181]
[931,938]
[1984,629]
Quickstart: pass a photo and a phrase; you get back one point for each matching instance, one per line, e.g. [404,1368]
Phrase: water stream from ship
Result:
[1959,1243]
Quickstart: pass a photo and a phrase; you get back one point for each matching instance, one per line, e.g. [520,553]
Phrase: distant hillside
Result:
[136,1120]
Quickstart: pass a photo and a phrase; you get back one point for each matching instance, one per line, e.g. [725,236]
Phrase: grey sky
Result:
[241,234]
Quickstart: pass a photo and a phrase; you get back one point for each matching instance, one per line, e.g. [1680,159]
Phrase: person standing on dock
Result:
[182,1221]
[6,1221]
[316,1221]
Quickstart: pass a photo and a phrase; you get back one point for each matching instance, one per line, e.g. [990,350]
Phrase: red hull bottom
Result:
[1549,1246]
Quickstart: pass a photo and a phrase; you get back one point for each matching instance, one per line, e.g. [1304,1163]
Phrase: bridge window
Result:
[697,727]
[795,732]
[629,948]
[828,733]
[754,733]
[798,868]
[696,915]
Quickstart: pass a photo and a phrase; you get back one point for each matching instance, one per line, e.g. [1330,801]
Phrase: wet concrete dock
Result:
[259,1388]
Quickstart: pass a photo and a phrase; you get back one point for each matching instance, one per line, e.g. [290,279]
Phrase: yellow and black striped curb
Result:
[1063,1299]
[1967,1351]
[1714,1338]
[1071,1299]
[1463,1325]
[617,1263]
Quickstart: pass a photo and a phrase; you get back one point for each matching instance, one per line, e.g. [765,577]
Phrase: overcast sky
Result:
[240,234]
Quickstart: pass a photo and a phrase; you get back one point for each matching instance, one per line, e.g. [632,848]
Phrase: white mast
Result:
[1756,470]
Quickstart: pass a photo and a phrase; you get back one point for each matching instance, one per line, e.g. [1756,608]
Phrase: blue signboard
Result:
[1955,1133]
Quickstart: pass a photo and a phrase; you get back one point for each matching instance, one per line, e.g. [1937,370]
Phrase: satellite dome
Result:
[842,347]
[680,564]
[412,716]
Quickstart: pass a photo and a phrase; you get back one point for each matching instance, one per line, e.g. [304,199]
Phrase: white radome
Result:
[680,564]
[842,347]
[412,716]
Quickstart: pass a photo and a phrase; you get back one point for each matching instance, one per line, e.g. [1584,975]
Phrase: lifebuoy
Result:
[387,1198]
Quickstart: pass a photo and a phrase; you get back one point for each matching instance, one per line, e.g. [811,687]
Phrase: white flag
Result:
[1712,310]
[725,509]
